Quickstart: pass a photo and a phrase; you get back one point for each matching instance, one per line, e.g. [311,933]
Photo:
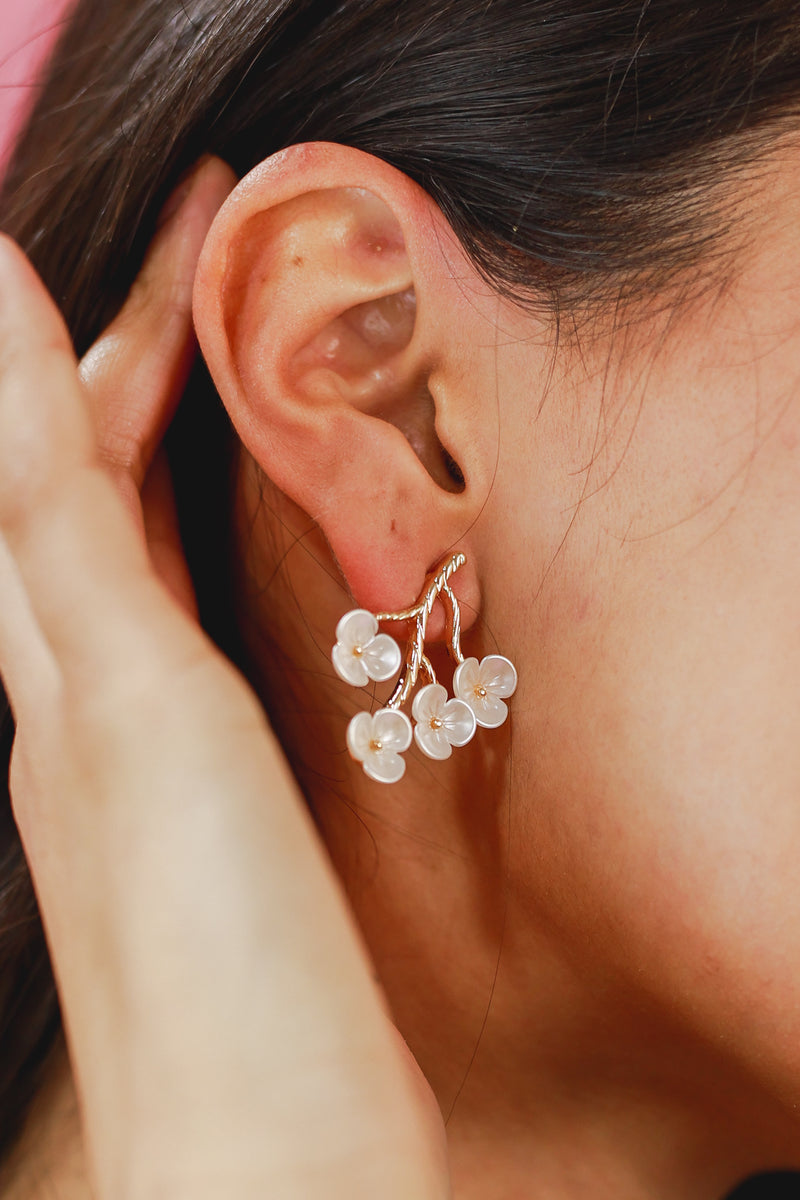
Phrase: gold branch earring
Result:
[363,654]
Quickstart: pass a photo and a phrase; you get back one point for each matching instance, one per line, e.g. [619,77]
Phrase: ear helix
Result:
[362,654]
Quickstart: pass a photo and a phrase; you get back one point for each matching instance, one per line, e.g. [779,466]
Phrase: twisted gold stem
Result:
[436,584]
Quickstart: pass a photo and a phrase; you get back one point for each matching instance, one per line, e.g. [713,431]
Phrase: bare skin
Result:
[586,926]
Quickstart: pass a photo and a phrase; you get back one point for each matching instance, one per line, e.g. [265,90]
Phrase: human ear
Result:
[325,308]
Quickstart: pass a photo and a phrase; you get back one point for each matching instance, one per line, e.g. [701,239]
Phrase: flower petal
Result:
[466,678]
[433,742]
[385,766]
[347,666]
[459,722]
[359,737]
[490,711]
[381,658]
[392,729]
[498,675]
[356,628]
[428,702]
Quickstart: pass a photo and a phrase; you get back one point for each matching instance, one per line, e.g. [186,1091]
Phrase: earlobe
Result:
[317,314]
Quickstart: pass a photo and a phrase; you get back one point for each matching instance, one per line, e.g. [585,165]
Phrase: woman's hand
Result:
[225,1031]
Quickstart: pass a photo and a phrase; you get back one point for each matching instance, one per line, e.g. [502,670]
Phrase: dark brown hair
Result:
[575,145]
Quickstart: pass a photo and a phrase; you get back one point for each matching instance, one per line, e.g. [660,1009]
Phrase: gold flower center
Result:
[376,746]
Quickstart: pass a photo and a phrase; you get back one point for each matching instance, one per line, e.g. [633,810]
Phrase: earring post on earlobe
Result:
[363,654]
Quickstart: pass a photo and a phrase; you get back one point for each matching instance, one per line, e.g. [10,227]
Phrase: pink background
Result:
[27,31]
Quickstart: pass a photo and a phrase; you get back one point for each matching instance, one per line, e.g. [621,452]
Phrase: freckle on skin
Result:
[393,528]
[297,261]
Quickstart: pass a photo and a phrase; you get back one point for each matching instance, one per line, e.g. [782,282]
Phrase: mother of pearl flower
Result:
[441,723]
[361,653]
[483,686]
[377,741]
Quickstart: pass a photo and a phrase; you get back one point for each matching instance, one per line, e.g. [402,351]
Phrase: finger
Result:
[162,533]
[27,669]
[135,373]
[32,461]
[80,559]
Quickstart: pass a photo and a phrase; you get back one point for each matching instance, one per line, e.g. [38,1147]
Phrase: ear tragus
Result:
[414,413]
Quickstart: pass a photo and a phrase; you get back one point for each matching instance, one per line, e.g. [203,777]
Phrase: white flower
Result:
[482,684]
[378,741]
[361,653]
[441,723]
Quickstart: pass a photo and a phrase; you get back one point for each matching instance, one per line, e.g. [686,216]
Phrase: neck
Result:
[556,1076]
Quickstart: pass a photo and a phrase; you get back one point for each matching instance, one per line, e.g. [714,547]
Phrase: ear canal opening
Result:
[454,471]
[413,412]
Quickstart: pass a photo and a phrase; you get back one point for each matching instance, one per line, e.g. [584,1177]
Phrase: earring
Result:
[362,653]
